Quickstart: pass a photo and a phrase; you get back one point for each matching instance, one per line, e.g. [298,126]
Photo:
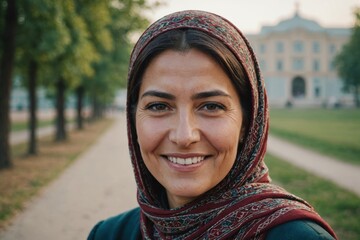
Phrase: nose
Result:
[185,131]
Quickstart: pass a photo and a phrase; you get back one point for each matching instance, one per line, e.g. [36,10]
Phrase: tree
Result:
[42,36]
[73,64]
[96,15]
[8,35]
[77,44]
[348,61]
[111,71]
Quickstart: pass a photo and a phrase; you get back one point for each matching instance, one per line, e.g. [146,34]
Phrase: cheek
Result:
[223,135]
[149,132]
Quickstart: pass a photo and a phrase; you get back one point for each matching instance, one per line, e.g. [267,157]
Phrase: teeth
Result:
[186,161]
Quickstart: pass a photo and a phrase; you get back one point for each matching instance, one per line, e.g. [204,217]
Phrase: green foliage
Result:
[96,14]
[348,60]
[76,61]
[111,70]
[340,208]
[42,35]
[334,132]
[83,42]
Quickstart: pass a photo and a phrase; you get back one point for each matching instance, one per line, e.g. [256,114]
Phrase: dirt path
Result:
[98,185]
[343,174]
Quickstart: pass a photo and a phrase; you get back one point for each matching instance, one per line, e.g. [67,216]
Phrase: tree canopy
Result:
[348,61]
[71,43]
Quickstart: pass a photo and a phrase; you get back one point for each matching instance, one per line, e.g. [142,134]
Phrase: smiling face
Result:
[188,122]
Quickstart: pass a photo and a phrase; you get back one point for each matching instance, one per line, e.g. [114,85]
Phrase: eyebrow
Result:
[159,94]
[201,95]
[213,93]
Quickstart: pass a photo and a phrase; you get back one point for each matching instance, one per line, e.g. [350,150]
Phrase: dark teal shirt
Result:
[127,226]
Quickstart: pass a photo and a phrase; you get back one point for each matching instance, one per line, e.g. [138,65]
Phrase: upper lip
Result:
[185,155]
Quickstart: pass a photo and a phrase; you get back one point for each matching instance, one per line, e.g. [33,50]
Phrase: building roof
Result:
[298,21]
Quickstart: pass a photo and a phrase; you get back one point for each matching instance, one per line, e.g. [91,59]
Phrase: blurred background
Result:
[63,66]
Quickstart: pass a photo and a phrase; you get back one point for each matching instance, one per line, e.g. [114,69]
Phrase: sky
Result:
[250,15]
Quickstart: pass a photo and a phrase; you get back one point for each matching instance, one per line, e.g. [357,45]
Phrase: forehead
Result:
[188,71]
[188,60]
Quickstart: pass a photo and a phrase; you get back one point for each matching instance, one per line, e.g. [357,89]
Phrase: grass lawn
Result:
[340,208]
[334,132]
[30,173]
[23,125]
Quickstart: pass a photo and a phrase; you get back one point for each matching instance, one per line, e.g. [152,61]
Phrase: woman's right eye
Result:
[157,107]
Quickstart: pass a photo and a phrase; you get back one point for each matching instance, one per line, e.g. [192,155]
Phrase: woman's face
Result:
[188,122]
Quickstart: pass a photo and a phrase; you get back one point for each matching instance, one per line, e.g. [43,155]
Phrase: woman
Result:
[197,126]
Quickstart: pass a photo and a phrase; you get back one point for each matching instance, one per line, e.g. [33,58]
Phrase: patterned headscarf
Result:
[244,205]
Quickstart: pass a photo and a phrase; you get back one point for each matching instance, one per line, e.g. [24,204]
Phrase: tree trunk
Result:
[356,96]
[95,108]
[79,107]
[6,71]
[32,147]
[60,111]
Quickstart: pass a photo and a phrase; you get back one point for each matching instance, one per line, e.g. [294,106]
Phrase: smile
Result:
[186,161]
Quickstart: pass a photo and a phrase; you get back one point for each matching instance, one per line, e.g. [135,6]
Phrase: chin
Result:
[186,193]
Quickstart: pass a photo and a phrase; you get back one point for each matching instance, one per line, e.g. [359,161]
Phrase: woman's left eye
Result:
[212,107]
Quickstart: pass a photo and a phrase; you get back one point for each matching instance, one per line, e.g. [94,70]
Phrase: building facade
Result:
[296,57]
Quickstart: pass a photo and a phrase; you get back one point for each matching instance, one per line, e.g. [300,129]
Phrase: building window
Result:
[298,64]
[332,48]
[316,65]
[279,47]
[262,48]
[316,47]
[298,46]
[279,65]
[331,65]
[317,88]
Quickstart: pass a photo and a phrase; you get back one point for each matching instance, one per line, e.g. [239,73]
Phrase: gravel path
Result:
[98,185]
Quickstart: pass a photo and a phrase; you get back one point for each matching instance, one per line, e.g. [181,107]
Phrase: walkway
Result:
[343,174]
[98,185]
[101,184]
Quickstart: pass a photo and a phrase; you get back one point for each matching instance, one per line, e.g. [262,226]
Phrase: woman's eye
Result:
[157,107]
[212,107]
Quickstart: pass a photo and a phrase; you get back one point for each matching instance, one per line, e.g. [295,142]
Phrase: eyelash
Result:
[154,107]
[218,106]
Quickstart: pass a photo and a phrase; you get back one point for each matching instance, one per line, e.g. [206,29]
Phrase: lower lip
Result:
[185,168]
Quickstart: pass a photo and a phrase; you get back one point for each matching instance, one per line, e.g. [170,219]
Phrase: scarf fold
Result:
[244,205]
